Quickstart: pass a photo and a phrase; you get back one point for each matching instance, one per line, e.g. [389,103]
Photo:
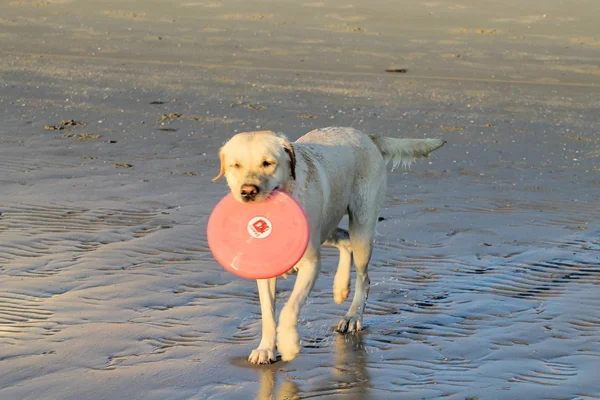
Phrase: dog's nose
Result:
[249,192]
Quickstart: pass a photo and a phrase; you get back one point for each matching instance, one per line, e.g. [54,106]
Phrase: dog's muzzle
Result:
[249,192]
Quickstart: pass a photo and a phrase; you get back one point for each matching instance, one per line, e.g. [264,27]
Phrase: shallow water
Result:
[486,270]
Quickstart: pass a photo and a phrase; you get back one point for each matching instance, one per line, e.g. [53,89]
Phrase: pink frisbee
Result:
[258,240]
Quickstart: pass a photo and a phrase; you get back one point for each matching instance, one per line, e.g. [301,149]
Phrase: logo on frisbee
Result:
[259,227]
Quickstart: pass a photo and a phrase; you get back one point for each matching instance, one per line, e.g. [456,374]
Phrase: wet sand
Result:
[486,271]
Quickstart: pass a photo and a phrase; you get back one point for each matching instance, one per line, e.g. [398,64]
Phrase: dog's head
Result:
[256,163]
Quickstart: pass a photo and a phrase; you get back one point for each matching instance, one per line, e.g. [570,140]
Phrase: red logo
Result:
[261,226]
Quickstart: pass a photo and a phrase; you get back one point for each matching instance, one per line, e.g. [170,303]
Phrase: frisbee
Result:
[258,240]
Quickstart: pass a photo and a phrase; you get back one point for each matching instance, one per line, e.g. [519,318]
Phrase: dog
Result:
[331,172]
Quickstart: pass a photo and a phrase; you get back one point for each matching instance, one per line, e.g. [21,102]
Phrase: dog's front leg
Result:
[265,353]
[288,341]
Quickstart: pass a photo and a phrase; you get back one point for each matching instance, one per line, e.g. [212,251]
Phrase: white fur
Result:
[338,171]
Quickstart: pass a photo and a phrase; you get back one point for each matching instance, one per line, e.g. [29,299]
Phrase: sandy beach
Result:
[485,280]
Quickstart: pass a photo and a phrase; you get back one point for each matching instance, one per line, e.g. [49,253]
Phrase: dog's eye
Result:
[266,164]
[236,165]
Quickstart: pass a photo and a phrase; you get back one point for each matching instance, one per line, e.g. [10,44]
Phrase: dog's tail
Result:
[405,151]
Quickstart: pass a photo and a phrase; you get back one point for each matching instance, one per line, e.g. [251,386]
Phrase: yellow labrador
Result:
[331,172]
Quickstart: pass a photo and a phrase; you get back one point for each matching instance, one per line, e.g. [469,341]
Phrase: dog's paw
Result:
[262,356]
[340,293]
[350,323]
[288,343]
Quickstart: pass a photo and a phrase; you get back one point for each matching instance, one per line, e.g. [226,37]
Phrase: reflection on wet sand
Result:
[268,380]
[349,372]
[349,363]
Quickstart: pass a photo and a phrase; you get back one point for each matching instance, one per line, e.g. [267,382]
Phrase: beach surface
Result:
[485,279]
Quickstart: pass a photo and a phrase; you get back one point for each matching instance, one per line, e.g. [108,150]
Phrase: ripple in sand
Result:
[551,374]
[32,219]
[542,279]
[28,164]
[23,317]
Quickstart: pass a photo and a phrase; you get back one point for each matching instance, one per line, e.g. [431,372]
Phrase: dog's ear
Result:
[222,171]
[289,149]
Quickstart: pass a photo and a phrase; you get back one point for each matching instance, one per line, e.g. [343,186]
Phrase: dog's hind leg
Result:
[341,283]
[361,252]
[363,214]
